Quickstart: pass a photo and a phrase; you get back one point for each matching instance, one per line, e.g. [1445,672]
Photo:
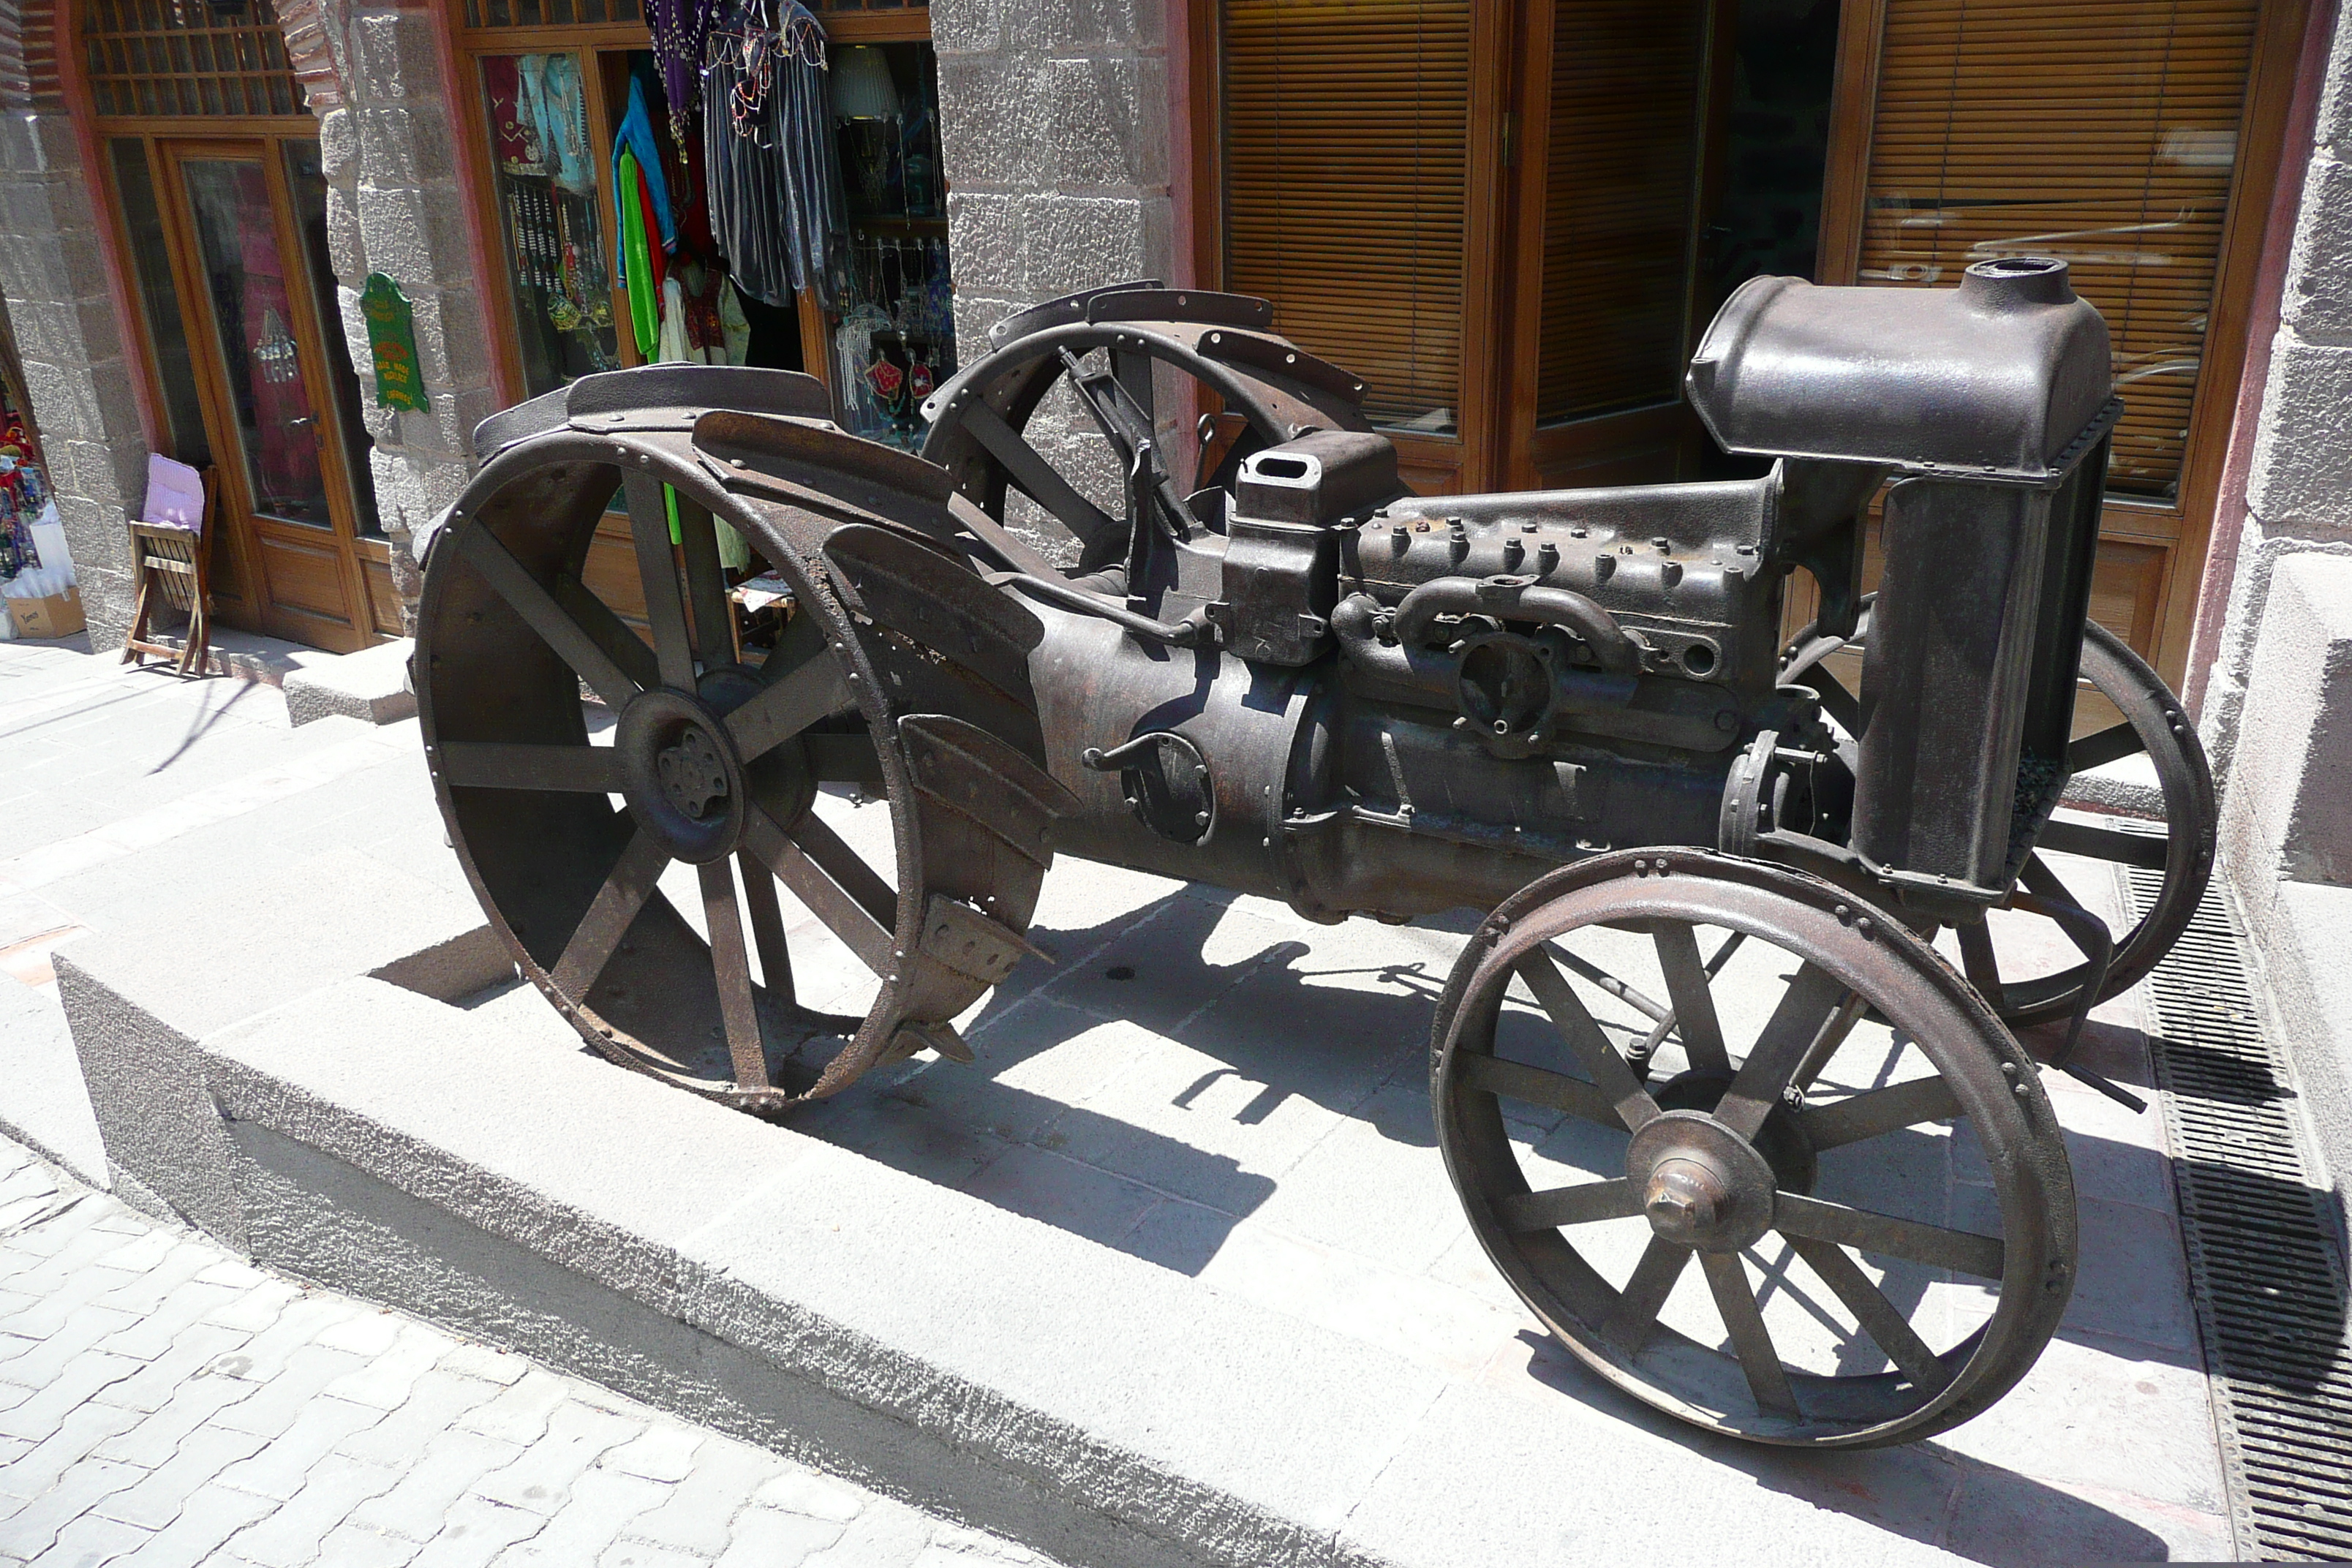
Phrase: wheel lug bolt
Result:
[1684,1200]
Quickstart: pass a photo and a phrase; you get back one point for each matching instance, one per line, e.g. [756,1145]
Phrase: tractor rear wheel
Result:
[664,834]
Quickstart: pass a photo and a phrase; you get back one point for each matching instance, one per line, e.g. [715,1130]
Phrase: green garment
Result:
[645,294]
[638,261]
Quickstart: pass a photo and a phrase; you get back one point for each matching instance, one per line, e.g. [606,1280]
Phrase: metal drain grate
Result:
[2263,1259]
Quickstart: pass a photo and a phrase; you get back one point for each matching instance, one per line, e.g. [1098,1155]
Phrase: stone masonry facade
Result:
[1056,140]
[53,276]
[387,145]
[370,72]
[2277,714]
[1055,131]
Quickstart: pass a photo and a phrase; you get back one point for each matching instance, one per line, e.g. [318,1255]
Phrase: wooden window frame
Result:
[2182,528]
[233,138]
[1492,448]
[1531,449]
[589,42]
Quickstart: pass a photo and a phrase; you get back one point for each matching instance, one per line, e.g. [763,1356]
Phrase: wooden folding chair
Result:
[173,567]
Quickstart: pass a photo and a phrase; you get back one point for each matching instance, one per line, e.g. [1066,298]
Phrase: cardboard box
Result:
[58,615]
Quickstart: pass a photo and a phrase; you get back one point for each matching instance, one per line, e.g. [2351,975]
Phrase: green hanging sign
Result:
[392,342]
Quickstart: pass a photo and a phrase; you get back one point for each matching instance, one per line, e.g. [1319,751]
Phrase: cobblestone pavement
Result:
[164,1402]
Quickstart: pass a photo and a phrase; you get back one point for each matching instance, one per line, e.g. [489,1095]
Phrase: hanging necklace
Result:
[563,305]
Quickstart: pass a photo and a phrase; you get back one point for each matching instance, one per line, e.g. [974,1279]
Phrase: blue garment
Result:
[547,93]
[637,138]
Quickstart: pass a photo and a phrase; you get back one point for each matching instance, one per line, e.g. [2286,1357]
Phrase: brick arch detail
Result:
[312,50]
[28,55]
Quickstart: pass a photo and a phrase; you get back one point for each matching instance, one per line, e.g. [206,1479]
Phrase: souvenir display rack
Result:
[892,332]
[874,321]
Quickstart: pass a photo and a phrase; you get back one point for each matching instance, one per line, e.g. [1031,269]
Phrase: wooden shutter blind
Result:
[1617,200]
[2100,132]
[1345,149]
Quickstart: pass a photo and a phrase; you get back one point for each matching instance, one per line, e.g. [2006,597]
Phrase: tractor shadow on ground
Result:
[1150,1089]
[1922,1491]
[1074,1113]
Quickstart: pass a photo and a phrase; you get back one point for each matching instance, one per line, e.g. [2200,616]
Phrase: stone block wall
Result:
[53,278]
[2299,487]
[1054,131]
[2277,714]
[387,147]
[2288,812]
[371,73]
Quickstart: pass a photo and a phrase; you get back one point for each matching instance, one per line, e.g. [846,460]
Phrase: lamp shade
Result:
[862,88]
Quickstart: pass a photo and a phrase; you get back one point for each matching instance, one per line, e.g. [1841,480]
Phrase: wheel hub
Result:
[1688,1199]
[1702,1184]
[681,775]
[693,776]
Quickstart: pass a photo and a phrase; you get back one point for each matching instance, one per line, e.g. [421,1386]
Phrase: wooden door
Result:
[1619,108]
[258,314]
[1493,211]
[2139,141]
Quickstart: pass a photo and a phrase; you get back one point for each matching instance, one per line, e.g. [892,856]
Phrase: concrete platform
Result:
[1170,1274]
[372,685]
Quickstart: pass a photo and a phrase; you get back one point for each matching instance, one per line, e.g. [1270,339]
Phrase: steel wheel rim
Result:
[2162,729]
[502,592]
[1991,1078]
[1005,388]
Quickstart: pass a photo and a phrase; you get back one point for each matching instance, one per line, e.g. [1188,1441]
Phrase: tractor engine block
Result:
[1419,701]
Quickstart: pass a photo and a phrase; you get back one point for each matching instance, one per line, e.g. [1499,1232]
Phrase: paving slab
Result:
[44,1104]
[1373,1369]
[311,1479]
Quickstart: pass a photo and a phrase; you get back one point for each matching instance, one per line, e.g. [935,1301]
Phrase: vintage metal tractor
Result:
[1701,1016]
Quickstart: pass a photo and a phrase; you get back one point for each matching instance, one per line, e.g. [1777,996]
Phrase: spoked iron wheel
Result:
[1754,1231]
[2153,724]
[889,924]
[1120,352]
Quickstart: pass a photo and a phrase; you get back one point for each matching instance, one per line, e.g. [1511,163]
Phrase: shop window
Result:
[1776,147]
[159,300]
[2106,136]
[1626,119]
[156,57]
[23,481]
[793,217]
[892,325]
[545,174]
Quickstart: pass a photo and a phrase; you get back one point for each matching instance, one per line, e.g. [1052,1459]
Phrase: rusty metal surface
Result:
[716,765]
[1725,1153]
[1273,671]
